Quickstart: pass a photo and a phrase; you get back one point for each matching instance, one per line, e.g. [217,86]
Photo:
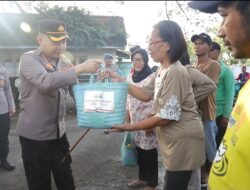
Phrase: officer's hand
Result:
[12,112]
[89,66]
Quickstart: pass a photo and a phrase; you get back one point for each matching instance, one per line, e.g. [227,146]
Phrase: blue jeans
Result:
[210,130]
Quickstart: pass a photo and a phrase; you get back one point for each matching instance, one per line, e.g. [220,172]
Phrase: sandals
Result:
[137,183]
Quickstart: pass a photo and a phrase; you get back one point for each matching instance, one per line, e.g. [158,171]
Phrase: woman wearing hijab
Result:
[145,140]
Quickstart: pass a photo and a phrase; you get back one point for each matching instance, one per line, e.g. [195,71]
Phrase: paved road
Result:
[96,161]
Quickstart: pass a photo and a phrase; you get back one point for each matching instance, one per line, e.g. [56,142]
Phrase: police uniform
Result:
[41,122]
[6,105]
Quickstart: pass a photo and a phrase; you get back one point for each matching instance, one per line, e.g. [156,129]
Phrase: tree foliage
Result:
[196,22]
[85,30]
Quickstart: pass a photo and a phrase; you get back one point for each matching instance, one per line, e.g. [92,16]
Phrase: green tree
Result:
[196,22]
[85,30]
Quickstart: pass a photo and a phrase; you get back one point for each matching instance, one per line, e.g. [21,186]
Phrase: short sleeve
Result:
[172,93]
[149,87]
[214,72]
[201,83]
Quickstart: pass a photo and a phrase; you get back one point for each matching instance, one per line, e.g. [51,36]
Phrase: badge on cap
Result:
[60,28]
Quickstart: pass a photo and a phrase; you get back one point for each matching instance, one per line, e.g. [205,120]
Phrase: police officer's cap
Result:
[53,28]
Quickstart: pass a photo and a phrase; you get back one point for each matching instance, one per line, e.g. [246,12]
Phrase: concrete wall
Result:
[10,58]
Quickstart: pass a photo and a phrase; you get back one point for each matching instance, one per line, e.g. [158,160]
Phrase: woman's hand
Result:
[113,75]
[89,66]
[119,128]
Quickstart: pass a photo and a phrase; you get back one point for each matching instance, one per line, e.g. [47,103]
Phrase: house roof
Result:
[13,36]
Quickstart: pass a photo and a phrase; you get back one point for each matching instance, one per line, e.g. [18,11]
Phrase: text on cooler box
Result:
[98,101]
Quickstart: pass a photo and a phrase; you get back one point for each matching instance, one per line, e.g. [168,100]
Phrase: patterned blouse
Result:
[139,111]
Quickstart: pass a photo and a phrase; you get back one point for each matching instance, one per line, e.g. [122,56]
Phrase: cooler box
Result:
[100,105]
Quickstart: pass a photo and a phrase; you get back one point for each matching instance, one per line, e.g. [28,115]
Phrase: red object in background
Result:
[132,70]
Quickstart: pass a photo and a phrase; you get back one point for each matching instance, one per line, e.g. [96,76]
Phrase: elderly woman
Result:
[178,125]
[145,141]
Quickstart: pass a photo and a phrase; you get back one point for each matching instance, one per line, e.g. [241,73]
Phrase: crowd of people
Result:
[184,109]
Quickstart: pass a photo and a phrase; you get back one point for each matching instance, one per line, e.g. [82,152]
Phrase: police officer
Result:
[7,108]
[41,123]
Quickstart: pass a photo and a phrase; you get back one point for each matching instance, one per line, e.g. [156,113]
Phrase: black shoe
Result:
[7,166]
[106,131]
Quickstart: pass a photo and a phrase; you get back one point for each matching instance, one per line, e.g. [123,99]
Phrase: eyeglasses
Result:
[137,60]
[154,42]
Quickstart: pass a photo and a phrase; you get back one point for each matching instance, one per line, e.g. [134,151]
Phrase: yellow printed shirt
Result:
[231,167]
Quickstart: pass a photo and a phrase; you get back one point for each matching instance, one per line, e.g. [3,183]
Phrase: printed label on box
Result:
[98,101]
